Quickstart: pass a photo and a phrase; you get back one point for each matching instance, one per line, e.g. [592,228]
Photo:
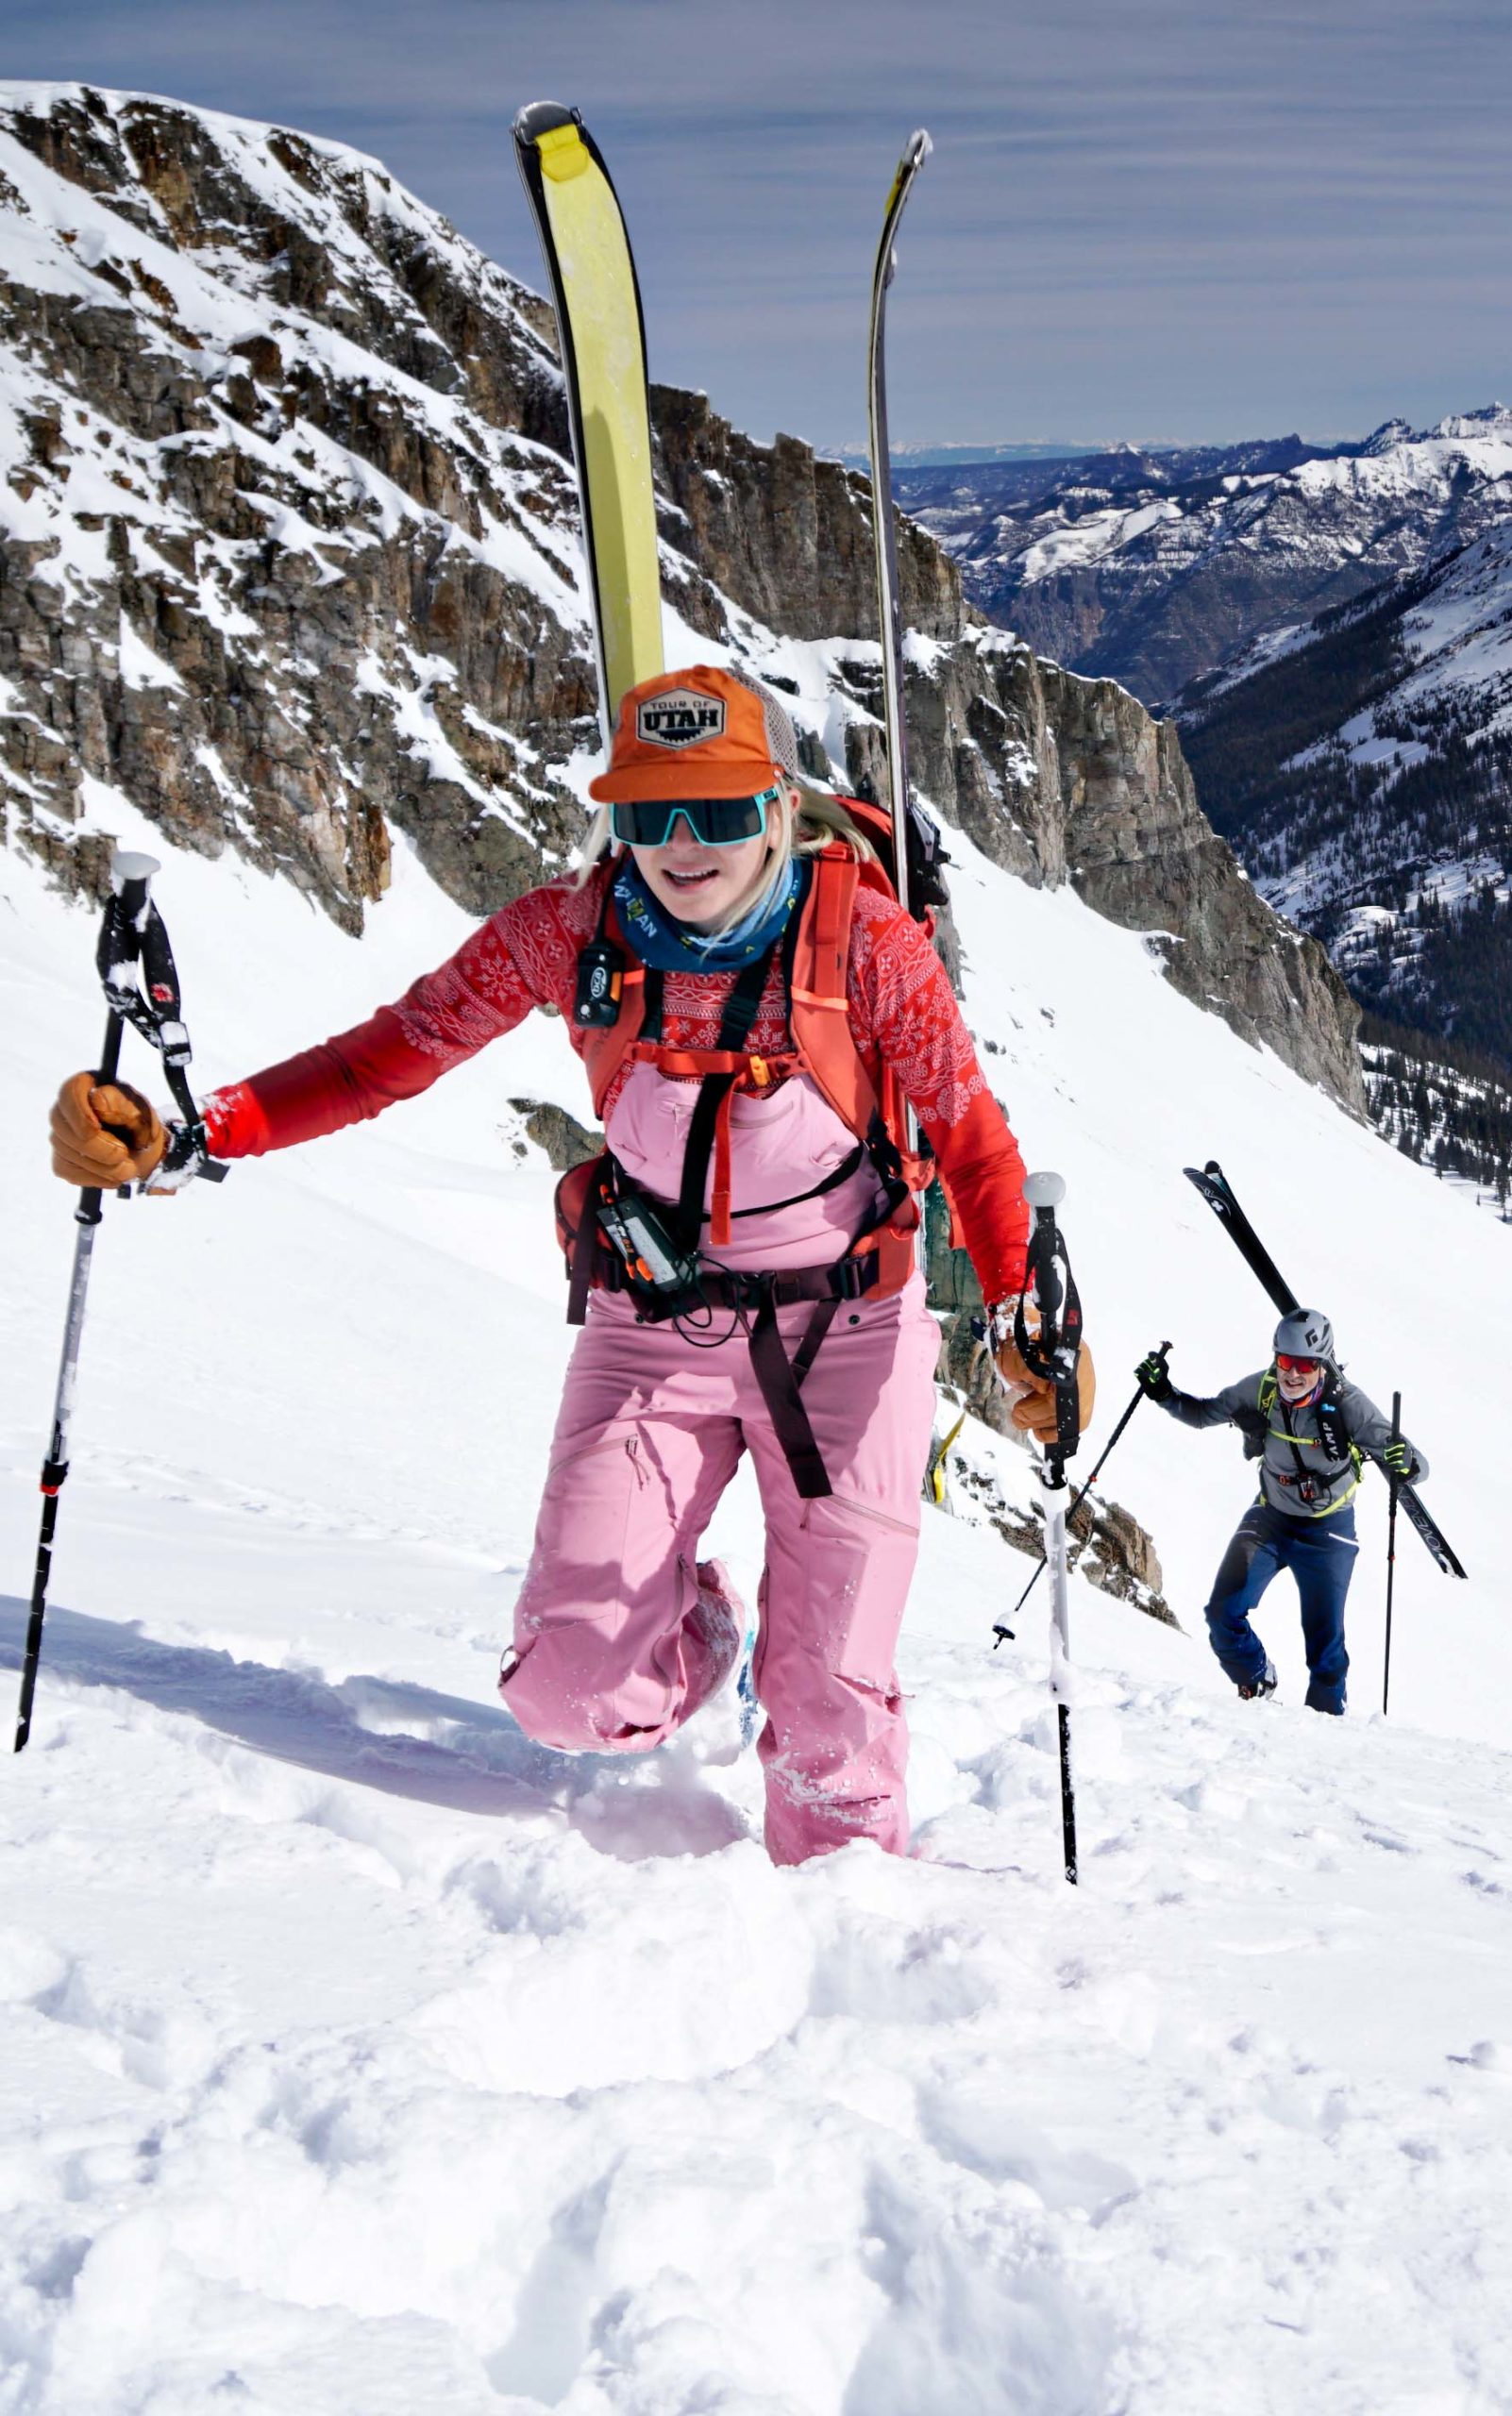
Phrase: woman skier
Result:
[754,1010]
[1309,1426]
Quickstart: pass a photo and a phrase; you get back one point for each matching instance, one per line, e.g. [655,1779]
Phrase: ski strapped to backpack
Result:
[1213,1186]
[889,600]
[601,338]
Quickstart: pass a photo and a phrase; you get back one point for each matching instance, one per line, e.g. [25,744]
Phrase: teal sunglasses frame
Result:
[647,822]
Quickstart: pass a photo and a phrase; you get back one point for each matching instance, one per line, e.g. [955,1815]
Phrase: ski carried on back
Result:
[602,337]
[890,602]
[1214,1187]
[917,853]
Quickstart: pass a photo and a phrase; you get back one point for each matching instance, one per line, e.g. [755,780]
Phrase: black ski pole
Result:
[1391,1554]
[124,917]
[131,936]
[1077,1500]
[1051,1352]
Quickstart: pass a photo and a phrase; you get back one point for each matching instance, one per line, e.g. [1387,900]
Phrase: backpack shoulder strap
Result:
[1332,1429]
[819,997]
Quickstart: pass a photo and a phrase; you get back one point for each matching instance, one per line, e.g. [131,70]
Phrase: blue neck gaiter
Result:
[661,941]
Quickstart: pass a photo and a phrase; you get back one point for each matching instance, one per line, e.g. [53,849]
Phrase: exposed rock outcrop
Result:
[1109,1547]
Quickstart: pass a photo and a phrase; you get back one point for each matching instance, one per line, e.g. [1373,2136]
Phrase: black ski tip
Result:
[1211,1184]
[541,117]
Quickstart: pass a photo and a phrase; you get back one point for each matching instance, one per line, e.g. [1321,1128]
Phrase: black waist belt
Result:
[779,1377]
[733,1287]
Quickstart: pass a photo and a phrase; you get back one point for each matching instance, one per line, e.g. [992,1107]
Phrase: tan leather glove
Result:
[1034,1412]
[89,1155]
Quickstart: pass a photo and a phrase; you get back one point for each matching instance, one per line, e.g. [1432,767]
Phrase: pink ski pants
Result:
[616,1624]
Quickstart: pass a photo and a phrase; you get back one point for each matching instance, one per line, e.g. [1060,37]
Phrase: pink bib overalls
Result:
[621,1632]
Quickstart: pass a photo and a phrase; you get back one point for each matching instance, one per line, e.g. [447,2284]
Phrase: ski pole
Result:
[130,876]
[1391,1554]
[131,935]
[1052,1352]
[1077,1499]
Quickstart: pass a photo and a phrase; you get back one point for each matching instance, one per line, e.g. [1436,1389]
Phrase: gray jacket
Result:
[1278,1436]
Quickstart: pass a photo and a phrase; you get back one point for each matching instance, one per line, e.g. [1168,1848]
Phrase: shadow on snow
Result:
[401,1738]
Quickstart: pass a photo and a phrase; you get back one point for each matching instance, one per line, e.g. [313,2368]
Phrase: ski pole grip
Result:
[130,879]
[1044,1190]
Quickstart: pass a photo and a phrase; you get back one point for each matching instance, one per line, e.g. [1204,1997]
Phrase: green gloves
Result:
[1152,1378]
[1398,1459]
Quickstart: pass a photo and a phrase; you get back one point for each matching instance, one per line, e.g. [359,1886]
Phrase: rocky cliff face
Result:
[288,560]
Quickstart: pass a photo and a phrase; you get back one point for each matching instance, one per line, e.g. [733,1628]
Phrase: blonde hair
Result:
[817,821]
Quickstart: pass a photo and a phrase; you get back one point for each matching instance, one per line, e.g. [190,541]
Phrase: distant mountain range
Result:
[1154,567]
[944,457]
[1332,628]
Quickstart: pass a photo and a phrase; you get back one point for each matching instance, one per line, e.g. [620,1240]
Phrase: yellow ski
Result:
[602,335]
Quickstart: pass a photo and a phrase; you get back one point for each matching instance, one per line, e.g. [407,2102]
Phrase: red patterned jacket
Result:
[902,1012]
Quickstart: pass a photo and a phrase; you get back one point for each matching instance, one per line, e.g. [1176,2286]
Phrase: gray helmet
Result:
[1307,1334]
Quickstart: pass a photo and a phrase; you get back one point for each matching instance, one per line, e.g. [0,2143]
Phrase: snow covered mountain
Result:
[289,558]
[1154,568]
[1361,763]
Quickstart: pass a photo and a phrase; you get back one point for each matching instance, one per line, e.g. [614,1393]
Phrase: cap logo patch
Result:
[679,717]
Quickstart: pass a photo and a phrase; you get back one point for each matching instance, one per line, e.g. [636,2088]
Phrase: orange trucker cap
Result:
[702,733]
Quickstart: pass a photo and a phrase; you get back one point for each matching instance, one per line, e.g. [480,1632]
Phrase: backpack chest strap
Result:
[692,1065]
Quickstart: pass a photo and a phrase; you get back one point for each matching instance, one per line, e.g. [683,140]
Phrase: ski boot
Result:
[1254,1689]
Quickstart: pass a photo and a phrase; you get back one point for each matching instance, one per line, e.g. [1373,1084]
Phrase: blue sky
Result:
[1156,219]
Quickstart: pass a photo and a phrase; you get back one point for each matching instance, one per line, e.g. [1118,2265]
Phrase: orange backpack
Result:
[816,959]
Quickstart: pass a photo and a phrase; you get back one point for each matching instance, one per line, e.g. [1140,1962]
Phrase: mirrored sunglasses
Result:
[1298,1367]
[714,821]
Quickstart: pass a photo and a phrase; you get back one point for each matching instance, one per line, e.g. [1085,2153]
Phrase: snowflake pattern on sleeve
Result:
[525,956]
[903,1012]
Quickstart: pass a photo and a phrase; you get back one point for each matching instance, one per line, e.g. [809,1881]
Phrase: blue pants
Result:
[1320,1554]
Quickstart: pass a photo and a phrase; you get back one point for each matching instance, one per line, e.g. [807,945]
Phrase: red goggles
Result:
[1298,1367]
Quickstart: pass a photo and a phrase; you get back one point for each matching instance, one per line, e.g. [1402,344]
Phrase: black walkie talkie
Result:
[600,982]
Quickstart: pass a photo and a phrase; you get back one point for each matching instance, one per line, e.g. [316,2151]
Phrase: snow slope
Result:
[362,2057]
